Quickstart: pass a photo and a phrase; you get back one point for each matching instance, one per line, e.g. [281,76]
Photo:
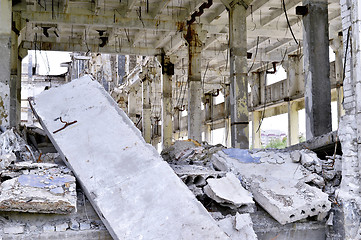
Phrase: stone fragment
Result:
[17,229]
[296,156]
[61,227]
[238,227]
[134,191]
[85,226]
[48,228]
[228,191]
[74,225]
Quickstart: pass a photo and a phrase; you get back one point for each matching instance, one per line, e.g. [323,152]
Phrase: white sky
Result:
[49,61]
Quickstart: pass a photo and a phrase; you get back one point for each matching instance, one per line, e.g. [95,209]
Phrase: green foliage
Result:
[277,143]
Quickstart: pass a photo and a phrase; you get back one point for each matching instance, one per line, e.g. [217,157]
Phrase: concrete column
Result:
[317,69]
[176,120]
[293,128]
[132,105]
[146,111]
[227,110]
[295,80]
[194,39]
[208,104]
[5,67]
[256,132]
[167,106]
[15,78]
[238,75]
[337,49]
[255,81]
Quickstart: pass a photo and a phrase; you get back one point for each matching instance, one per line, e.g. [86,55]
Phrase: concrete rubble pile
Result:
[289,185]
[30,185]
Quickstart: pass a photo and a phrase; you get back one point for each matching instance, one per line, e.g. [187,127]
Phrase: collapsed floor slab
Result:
[136,194]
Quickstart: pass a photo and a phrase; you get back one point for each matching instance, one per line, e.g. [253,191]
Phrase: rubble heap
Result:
[28,185]
[289,185]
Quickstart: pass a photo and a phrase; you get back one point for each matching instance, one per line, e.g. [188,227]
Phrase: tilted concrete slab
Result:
[136,194]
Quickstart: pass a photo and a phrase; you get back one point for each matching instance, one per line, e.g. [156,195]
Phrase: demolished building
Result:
[165,63]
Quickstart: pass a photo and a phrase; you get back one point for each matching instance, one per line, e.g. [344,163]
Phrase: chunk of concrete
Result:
[238,227]
[40,191]
[281,189]
[228,191]
[135,193]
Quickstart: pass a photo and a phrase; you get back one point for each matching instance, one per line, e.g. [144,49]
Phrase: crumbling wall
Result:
[350,125]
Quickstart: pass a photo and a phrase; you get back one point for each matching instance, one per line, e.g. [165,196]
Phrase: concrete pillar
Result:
[176,120]
[5,68]
[255,82]
[238,75]
[208,104]
[295,80]
[293,128]
[317,69]
[15,78]
[295,85]
[194,38]
[132,105]
[146,111]
[337,49]
[227,110]
[167,106]
[256,131]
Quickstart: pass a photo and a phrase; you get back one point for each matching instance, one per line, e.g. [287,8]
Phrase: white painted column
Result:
[336,45]
[238,75]
[295,85]
[227,123]
[293,127]
[194,38]
[5,68]
[167,106]
[256,131]
[132,104]
[146,111]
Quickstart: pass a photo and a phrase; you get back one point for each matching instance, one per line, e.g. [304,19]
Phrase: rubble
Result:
[40,188]
[229,192]
[279,185]
[239,226]
[136,194]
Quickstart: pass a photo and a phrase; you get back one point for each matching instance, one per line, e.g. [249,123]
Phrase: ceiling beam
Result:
[100,21]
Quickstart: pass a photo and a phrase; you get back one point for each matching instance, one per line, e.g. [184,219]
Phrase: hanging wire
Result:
[288,22]
[254,59]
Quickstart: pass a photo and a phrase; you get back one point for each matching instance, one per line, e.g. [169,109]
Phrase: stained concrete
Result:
[135,193]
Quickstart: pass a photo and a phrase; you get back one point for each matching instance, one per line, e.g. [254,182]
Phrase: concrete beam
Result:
[80,47]
[100,21]
[317,69]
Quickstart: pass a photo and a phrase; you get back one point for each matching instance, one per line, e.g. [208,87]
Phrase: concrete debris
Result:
[239,226]
[136,194]
[229,192]
[38,187]
[187,153]
[279,185]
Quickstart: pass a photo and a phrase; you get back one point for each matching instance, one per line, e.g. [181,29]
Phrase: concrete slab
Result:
[135,193]
[228,191]
[279,186]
